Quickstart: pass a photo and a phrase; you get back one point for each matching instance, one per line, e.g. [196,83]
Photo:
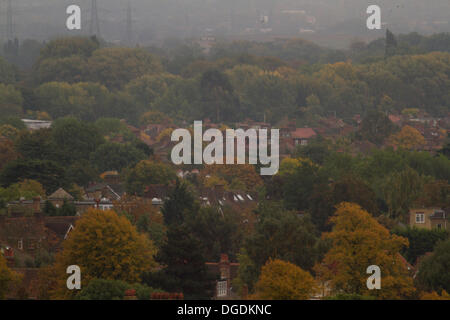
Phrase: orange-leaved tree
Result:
[105,246]
[7,277]
[281,280]
[359,241]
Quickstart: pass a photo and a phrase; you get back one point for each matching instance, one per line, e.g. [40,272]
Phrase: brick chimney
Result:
[37,205]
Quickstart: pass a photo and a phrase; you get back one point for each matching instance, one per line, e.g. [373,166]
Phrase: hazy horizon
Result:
[327,22]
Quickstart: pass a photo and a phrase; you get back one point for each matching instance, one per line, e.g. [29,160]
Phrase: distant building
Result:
[27,233]
[429,218]
[36,124]
[302,136]
[225,271]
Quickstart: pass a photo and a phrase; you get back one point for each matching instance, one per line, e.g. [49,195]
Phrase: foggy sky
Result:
[155,20]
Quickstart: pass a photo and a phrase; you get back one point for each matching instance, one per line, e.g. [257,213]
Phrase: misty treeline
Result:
[89,79]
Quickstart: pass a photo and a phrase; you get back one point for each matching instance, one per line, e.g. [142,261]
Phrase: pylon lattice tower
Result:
[9,21]
[94,28]
[129,39]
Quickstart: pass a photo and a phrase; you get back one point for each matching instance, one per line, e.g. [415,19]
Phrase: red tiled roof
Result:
[394,118]
[303,133]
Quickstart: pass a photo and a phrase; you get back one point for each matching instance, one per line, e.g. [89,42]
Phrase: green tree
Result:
[113,156]
[74,139]
[391,44]
[37,145]
[376,127]
[115,67]
[433,274]
[281,234]
[48,173]
[11,101]
[103,289]
[185,269]
[347,189]
[181,203]
[421,241]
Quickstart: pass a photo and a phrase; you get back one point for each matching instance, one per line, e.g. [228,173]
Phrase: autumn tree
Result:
[435,193]
[154,117]
[7,277]
[408,138]
[105,246]
[9,131]
[435,296]
[233,177]
[359,241]
[147,172]
[7,152]
[281,280]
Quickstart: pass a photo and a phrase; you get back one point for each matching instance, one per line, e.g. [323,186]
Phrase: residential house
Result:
[302,136]
[225,271]
[27,233]
[429,218]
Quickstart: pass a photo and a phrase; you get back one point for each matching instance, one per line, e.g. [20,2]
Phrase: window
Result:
[304,142]
[20,244]
[31,244]
[439,226]
[222,288]
[420,218]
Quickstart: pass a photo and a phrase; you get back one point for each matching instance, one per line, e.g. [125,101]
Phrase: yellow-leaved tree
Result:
[104,246]
[408,138]
[281,280]
[359,241]
[435,296]
[7,277]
